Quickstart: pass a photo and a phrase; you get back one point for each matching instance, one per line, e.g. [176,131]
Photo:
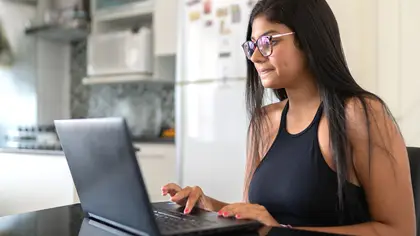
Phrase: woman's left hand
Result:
[250,212]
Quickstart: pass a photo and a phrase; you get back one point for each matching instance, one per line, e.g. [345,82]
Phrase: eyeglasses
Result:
[263,43]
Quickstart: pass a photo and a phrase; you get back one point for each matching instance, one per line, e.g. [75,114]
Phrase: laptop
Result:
[109,182]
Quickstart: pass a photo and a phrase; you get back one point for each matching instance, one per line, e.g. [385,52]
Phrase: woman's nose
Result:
[257,57]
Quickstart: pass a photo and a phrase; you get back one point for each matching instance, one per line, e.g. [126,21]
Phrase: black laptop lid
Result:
[105,172]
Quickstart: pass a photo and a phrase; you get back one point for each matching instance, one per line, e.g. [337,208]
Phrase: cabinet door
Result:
[31,182]
[165,23]
[158,166]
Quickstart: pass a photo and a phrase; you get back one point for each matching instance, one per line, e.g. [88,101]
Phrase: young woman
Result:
[328,157]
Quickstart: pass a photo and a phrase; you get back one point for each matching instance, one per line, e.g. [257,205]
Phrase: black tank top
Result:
[297,187]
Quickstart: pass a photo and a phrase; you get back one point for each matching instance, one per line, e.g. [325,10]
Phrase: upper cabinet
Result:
[165,26]
[160,15]
[132,40]
[108,11]
[127,40]
[59,20]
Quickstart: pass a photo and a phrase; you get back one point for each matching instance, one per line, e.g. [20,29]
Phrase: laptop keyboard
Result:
[172,221]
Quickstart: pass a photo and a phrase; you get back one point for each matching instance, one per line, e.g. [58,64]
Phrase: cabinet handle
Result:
[151,156]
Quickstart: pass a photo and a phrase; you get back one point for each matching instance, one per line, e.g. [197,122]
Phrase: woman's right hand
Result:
[188,197]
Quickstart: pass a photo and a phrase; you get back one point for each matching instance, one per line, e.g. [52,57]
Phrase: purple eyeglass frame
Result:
[270,38]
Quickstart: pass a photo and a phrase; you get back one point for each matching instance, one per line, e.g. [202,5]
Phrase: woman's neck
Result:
[303,97]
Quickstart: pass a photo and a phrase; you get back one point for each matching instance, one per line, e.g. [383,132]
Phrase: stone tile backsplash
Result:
[79,93]
[146,106]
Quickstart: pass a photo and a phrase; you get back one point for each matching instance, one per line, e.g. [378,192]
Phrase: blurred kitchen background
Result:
[71,75]
[175,70]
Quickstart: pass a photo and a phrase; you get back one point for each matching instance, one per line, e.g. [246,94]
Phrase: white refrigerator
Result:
[211,119]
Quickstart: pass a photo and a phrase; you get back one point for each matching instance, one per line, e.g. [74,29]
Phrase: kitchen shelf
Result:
[125,11]
[128,78]
[27,2]
[58,32]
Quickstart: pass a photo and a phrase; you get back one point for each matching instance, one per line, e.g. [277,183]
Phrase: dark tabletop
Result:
[70,221]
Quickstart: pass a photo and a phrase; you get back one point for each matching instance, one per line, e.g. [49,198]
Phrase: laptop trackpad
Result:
[175,208]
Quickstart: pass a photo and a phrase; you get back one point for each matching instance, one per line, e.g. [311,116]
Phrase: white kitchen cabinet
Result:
[30,182]
[158,165]
[165,25]
[159,15]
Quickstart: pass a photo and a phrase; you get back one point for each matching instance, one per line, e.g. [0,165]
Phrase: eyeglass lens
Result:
[263,44]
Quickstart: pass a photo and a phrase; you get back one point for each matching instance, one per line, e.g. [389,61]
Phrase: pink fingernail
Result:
[237,216]
[186,211]
[219,213]
[225,213]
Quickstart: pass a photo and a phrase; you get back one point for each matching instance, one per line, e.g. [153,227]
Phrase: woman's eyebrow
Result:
[267,32]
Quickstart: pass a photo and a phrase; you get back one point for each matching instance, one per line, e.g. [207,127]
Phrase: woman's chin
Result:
[268,83]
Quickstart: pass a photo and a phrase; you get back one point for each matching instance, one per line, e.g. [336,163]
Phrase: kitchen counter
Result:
[156,140]
[38,179]
[32,151]
[137,143]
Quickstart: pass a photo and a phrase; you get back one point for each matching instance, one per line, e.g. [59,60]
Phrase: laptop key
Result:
[168,221]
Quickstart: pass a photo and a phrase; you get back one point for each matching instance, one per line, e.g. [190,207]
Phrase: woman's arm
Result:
[384,175]
[216,205]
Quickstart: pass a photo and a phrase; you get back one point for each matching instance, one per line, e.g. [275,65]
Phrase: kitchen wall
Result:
[380,40]
[146,106]
[18,82]
[35,89]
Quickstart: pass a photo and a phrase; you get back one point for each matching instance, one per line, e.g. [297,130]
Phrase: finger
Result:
[230,210]
[254,213]
[231,206]
[184,193]
[223,210]
[226,209]
[247,215]
[170,188]
[234,209]
[171,192]
[193,197]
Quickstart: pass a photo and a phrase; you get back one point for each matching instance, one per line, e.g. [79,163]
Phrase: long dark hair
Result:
[317,35]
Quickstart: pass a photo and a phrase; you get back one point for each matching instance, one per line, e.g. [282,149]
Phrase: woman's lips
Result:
[263,73]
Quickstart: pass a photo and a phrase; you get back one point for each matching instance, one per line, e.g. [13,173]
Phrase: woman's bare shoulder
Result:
[274,109]
[272,119]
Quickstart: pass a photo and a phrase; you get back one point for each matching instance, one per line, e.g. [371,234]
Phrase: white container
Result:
[120,53]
